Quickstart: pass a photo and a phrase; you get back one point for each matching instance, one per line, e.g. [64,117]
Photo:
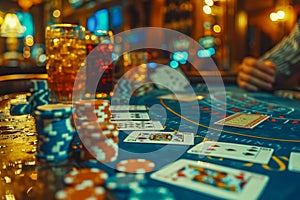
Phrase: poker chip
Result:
[81,192]
[103,151]
[54,110]
[55,131]
[151,193]
[93,175]
[123,181]
[135,166]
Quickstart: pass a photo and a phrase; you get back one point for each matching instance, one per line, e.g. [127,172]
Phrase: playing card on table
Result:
[181,97]
[214,180]
[243,120]
[160,137]
[128,108]
[294,162]
[139,125]
[129,116]
[241,152]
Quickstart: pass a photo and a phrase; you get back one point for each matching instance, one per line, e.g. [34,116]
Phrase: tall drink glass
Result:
[66,52]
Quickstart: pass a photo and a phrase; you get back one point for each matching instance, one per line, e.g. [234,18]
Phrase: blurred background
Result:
[228,30]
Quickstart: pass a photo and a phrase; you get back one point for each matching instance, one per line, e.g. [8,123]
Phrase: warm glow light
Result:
[274,17]
[209,2]
[217,28]
[56,13]
[29,40]
[206,9]
[280,14]
[11,26]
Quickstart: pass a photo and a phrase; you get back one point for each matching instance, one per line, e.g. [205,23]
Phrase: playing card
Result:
[181,97]
[214,180]
[129,116]
[158,137]
[241,152]
[172,79]
[139,125]
[128,108]
[243,120]
[294,162]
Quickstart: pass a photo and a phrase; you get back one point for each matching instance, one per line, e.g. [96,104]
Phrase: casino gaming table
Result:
[23,177]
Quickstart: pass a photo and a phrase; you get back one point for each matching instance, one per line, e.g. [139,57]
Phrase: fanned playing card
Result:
[241,152]
[242,120]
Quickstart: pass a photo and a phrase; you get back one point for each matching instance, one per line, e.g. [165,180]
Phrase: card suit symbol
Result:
[253,150]
[231,149]
[248,154]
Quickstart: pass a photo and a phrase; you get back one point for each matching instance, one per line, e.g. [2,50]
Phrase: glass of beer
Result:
[66,52]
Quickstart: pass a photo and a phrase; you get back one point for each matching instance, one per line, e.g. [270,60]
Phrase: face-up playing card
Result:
[294,162]
[128,108]
[159,137]
[181,97]
[172,79]
[243,120]
[139,125]
[213,180]
[129,116]
[241,152]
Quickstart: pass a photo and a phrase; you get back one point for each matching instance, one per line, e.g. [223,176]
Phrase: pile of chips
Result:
[97,133]
[39,96]
[55,131]
[85,183]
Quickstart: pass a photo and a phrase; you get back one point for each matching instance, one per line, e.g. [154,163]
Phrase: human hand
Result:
[254,75]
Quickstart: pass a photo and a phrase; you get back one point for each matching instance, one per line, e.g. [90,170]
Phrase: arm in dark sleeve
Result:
[286,56]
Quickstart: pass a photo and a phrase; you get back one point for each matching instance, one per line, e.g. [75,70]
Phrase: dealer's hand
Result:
[254,75]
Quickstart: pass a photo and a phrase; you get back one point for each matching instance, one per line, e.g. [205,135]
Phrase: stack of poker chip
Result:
[99,136]
[55,131]
[39,96]
[85,183]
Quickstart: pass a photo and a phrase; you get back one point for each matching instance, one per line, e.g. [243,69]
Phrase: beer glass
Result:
[66,52]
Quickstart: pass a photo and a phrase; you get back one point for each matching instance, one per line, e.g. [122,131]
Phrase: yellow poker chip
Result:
[135,166]
[91,176]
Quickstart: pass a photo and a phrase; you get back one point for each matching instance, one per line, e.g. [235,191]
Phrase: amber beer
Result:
[66,52]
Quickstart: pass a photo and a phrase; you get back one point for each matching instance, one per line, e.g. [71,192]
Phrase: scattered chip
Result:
[79,193]
[93,175]
[135,166]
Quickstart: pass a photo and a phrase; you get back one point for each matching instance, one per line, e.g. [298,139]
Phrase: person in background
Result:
[279,68]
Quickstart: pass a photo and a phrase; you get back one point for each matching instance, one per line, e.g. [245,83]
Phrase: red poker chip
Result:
[135,166]
[91,176]
[79,193]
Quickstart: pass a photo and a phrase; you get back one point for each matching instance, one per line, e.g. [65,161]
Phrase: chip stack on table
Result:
[55,131]
[97,133]
[85,183]
[39,96]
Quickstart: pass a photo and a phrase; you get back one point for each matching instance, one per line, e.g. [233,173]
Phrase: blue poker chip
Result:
[151,193]
[123,181]
[20,109]
[50,111]
[51,157]
[37,85]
